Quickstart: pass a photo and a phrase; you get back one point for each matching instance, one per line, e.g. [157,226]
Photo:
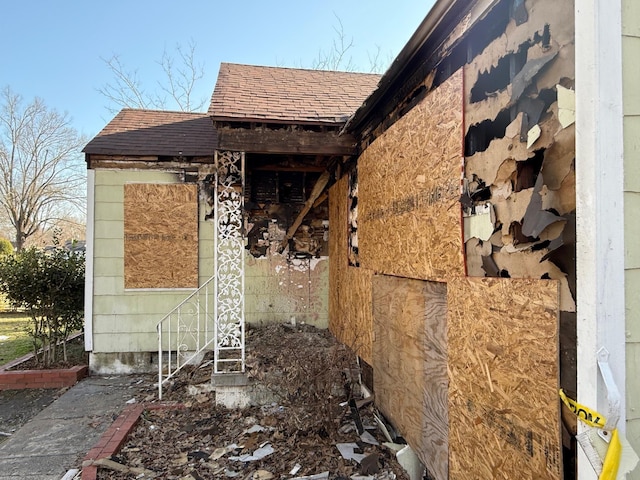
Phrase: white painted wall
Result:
[600,212]
[631,100]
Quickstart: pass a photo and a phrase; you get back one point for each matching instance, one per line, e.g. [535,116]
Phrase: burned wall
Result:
[495,198]
[287,244]
[273,201]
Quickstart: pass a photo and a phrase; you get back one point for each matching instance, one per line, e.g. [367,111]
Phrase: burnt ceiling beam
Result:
[145,162]
[298,142]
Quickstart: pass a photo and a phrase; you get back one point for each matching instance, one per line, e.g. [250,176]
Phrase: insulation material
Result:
[504,414]
[409,186]
[479,224]
[559,158]
[566,106]
[519,147]
[410,365]
[350,316]
[160,235]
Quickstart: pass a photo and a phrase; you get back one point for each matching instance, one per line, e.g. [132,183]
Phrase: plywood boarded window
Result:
[160,236]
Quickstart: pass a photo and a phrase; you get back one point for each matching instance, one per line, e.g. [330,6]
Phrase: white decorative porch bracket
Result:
[229,331]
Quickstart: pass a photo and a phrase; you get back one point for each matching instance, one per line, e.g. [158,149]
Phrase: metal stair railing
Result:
[186,332]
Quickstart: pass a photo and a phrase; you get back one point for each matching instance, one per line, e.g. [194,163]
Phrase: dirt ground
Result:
[308,426]
[299,435]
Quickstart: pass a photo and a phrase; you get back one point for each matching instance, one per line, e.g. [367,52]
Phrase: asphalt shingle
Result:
[291,95]
[155,132]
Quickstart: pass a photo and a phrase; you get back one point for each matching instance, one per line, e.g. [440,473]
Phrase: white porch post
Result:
[229,328]
[599,191]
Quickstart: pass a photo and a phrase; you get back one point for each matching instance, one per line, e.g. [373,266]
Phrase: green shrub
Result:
[6,248]
[49,287]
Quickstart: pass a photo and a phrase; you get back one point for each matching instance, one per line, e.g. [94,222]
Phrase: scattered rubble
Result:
[310,432]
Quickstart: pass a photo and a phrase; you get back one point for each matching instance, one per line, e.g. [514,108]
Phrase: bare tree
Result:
[339,55]
[181,74]
[41,175]
[60,231]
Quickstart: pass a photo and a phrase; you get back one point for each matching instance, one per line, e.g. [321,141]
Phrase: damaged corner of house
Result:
[445,203]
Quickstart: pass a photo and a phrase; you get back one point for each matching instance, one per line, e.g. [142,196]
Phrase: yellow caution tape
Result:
[612,458]
[585,414]
[592,418]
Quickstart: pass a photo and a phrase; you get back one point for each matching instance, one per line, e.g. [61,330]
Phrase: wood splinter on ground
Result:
[306,418]
[119,467]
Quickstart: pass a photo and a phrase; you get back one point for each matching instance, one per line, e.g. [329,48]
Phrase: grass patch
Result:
[14,339]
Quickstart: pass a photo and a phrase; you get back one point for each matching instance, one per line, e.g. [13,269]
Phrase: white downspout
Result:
[599,203]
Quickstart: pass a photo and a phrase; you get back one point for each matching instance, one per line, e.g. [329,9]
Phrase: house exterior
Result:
[152,191]
[465,223]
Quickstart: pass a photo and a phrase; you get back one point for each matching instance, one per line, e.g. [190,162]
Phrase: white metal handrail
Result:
[186,332]
[213,314]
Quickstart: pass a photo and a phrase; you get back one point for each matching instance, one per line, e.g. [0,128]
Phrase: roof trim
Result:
[415,49]
[275,121]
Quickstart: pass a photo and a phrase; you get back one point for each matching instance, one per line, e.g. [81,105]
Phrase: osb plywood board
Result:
[160,235]
[350,317]
[337,254]
[357,294]
[410,364]
[409,187]
[503,379]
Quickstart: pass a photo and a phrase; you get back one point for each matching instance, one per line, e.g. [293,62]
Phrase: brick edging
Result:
[115,436]
[45,378]
[30,355]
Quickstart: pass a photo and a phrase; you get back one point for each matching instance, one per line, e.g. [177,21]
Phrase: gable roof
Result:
[155,132]
[288,95]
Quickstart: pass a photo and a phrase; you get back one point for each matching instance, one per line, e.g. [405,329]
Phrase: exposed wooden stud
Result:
[320,200]
[318,188]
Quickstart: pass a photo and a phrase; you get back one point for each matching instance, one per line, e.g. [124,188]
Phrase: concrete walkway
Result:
[57,439]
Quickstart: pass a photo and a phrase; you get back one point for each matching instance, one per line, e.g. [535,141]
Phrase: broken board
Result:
[350,317]
[504,411]
[409,187]
[410,364]
[160,235]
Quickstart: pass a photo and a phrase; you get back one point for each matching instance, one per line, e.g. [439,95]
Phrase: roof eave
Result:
[441,11]
[285,121]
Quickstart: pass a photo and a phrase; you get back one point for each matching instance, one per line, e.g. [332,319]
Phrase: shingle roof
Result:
[154,132]
[290,95]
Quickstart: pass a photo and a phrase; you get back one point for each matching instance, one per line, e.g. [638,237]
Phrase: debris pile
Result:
[318,427]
